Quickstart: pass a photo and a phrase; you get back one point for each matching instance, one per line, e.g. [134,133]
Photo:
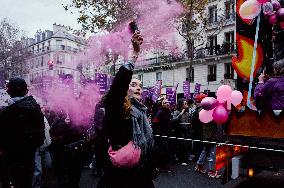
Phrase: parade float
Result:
[253,135]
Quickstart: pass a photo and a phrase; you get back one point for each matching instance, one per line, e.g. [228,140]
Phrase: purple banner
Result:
[186,89]
[101,80]
[157,90]
[171,96]
[196,90]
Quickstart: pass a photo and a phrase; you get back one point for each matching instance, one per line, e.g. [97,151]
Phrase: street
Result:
[185,176]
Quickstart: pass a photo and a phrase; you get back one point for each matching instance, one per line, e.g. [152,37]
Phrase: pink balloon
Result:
[220,114]
[208,103]
[223,93]
[280,14]
[276,5]
[262,1]
[236,97]
[250,9]
[205,116]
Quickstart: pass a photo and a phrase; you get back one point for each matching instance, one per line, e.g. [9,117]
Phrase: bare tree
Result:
[12,49]
[197,23]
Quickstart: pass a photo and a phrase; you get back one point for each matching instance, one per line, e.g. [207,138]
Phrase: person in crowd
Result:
[208,132]
[191,110]
[99,140]
[183,126]
[126,122]
[194,110]
[271,92]
[21,134]
[163,122]
[42,156]
[67,150]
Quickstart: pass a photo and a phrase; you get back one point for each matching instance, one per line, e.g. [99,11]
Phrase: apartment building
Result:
[209,64]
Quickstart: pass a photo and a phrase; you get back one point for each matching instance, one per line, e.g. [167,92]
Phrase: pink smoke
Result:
[80,105]
[156,21]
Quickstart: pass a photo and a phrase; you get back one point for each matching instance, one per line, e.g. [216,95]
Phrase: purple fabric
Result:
[272,91]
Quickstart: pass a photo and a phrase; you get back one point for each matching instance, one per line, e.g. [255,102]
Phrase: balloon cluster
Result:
[215,109]
[271,9]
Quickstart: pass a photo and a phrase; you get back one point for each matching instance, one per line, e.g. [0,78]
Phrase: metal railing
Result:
[201,53]
[53,48]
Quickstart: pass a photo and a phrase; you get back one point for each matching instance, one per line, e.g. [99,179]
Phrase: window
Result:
[212,45]
[41,61]
[229,37]
[212,14]
[158,76]
[211,73]
[229,9]
[60,58]
[229,71]
[59,44]
[140,77]
[190,74]
[229,41]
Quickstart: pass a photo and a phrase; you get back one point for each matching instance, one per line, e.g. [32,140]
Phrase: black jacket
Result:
[118,128]
[165,122]
[18,122]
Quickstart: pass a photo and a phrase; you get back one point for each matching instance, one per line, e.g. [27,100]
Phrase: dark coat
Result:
[119,132]
[164,121]
[271,92]
[16,122]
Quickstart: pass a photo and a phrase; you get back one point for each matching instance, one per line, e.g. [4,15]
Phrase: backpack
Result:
[22,127]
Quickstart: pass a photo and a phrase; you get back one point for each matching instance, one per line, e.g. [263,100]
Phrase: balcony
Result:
[226,49]
[56,48]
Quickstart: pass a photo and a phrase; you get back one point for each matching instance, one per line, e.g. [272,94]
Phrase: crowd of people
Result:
[120,144]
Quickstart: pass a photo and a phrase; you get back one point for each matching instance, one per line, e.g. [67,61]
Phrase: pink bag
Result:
[126,157]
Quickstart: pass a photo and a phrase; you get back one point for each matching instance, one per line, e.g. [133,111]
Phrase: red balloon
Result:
[280,14]
[273,19]
[276,5]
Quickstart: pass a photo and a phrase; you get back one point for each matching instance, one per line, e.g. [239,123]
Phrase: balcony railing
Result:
[55,48]
[219,50]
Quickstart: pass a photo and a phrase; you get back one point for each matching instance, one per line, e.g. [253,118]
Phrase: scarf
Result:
[142,131]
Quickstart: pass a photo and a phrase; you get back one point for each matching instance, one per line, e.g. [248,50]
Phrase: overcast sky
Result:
[31,15]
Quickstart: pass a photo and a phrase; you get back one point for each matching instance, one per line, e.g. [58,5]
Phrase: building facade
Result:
[54,53]
[210,64]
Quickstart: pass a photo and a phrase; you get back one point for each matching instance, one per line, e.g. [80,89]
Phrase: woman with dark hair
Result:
[271,92]
[126,124]
[163,121]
